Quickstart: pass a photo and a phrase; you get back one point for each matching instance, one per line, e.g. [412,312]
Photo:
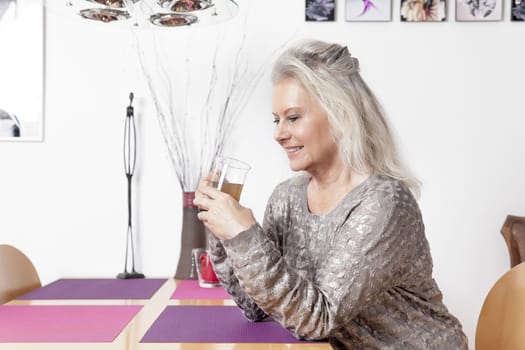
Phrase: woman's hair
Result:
[330,73]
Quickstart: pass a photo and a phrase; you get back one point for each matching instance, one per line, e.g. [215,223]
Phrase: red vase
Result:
[193,235]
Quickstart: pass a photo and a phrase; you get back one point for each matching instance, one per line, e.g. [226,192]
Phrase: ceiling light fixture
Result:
[163,13]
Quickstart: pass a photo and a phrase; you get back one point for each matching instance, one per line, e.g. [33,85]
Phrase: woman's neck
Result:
[326,189]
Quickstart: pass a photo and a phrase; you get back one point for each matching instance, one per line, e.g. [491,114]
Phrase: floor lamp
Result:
[130,155]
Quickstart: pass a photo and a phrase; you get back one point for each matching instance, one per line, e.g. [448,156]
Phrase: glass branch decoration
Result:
[200,81]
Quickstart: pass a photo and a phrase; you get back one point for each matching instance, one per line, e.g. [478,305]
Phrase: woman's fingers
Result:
[202,214]
[204,201]
[206,178]
[211,192]
[205,195]
[204,182]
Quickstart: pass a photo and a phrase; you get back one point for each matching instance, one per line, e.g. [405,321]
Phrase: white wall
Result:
[452,91]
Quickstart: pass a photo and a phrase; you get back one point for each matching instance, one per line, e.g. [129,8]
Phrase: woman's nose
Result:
[281,132]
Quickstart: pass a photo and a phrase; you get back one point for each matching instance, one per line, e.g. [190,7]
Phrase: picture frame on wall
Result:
[517,10]
[423,11]
[368,10]
[21,70]
[319,10]
[479,10]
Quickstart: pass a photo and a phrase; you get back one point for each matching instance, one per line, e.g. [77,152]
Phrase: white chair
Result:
[17,274]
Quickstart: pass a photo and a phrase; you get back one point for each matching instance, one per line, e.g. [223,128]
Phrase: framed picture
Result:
[479,10]
[319,10]
[368,10]
[423,10]
[518,10]
[21,70]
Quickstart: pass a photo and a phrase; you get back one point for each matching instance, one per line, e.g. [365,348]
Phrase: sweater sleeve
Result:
[224,271]
[367,257]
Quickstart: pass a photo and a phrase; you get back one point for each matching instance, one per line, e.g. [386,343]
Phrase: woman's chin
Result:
[296,167]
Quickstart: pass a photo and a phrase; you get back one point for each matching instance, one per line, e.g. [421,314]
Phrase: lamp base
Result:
[129,275]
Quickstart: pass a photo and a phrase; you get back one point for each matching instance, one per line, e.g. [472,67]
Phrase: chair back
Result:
[17,274]
[501,322]
[513,231]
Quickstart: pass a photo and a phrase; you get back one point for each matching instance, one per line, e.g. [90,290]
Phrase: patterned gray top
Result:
[359,276]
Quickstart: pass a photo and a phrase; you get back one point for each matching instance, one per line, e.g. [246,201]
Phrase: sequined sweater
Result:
[359,276]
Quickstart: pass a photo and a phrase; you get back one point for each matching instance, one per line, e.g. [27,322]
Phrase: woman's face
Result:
[302,128]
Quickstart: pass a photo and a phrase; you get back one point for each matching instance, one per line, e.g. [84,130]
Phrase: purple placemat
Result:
[97,288]
[213,324]
[189,289]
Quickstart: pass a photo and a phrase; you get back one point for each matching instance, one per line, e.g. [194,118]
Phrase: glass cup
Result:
[228,175]
[204,267]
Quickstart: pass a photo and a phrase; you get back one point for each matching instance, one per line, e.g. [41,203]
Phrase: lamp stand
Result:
[130,155]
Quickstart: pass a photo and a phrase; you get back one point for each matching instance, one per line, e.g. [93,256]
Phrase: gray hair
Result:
[329,73]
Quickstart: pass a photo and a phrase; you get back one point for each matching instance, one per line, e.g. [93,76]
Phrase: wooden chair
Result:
[513,231]
[501,322]
[17,274]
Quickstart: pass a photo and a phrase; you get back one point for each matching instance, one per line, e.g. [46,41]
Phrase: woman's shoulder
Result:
[391,201]
[387,185]
[385,189]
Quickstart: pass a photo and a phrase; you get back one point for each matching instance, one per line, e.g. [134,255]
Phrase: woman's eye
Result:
[292,118]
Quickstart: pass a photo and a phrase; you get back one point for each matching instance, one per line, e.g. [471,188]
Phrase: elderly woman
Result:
[341,254]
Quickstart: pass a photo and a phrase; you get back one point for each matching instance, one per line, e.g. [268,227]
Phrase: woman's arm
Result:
[228,280]
[221,264]
[367,257]
[224,271]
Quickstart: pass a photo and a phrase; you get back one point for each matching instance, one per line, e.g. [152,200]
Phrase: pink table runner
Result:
[189,289]
[64,324]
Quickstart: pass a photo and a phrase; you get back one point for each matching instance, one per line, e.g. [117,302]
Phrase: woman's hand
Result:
[221,213]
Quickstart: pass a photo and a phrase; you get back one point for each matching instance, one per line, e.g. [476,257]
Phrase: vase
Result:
[192,236]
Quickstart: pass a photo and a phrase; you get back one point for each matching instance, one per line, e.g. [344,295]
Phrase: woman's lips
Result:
[291,151]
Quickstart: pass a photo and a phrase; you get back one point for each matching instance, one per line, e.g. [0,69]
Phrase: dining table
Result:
[142,314]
